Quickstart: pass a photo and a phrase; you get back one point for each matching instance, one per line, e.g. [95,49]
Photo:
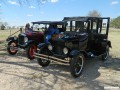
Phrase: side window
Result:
[94,27]
[68,26]
[79,25]
[104,26]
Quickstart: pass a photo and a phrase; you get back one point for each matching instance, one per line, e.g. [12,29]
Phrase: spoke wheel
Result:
[30,51]
[76,65]
[12,48]
[43,62]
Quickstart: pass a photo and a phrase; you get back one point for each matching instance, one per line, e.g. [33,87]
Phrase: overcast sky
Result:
[15,14]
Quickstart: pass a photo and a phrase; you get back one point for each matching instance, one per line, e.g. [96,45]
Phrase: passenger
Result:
[52,30]
[28,29]
[56,29]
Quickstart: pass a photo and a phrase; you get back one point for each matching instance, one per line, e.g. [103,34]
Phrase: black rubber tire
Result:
[9,50]
[42,62]
[74,62]
[105,56]
[29,51]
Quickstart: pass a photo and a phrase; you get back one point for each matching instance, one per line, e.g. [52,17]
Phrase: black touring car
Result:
[79,38]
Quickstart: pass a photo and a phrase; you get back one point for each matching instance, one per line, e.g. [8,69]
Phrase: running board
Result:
[42,56]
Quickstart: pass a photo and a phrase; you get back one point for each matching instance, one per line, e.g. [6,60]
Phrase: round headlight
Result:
[50,47]
[65,50]
[46,37]
[25,39]
[15,38]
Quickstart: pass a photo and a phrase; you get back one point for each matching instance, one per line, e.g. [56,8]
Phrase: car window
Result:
[40,27]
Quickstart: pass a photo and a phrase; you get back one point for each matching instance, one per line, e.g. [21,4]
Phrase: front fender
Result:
[42,45]
[30,42]
[109,43]
[11,39]
[74,53]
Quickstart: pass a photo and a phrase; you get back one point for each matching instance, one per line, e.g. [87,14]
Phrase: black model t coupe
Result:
[80,38]
[27,41]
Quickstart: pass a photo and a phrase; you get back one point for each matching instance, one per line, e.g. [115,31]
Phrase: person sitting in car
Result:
[28,29]
[52,30]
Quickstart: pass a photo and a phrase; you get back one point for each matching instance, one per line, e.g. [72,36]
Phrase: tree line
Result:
[115,23]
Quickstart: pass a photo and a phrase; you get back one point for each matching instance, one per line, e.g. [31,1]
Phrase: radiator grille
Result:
[21,39]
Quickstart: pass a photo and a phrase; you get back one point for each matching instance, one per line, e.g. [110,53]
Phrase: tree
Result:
[94,13]
[2,27]
[115,23]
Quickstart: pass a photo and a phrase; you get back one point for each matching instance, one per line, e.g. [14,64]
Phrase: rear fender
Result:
[42,45]
[109,44]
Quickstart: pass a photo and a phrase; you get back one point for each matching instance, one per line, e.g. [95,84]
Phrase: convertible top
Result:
[49,22]
[79,18]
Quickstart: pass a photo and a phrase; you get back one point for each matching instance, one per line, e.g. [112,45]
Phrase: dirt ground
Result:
[18,73]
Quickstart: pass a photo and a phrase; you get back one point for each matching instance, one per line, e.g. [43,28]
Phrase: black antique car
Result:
[81,37]
[27,41]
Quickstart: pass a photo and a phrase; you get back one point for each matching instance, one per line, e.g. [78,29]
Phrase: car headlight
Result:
[65,50]
[50,47]
[46,37]
[25,39]
[15,38]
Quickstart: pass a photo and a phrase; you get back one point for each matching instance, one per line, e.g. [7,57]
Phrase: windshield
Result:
[40,27]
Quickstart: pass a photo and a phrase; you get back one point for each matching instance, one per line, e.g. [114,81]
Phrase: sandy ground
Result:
[18,73]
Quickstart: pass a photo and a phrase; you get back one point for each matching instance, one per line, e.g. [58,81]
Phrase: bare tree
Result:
[94,13]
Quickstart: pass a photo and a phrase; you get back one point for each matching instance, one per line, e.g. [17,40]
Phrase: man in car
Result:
[52,30]
[28,29]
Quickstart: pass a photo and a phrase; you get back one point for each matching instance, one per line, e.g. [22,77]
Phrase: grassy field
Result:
[5,33]
[114,37]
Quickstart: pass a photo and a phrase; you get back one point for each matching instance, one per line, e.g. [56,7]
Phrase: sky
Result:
[15,14]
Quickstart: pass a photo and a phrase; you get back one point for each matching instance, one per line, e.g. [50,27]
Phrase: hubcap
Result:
[13,47]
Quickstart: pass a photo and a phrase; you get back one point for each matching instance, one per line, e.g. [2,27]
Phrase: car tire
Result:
[11,48]
[76,65]
[30,51]
[40,61]
[105,56]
